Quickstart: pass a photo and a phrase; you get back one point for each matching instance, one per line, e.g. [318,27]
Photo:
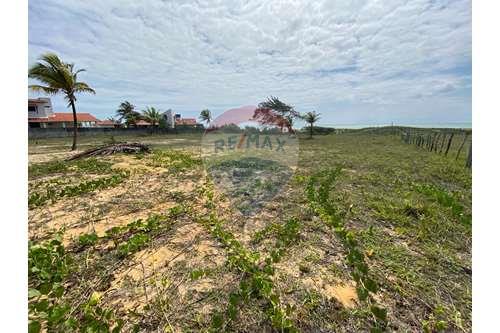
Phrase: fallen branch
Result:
[122,147]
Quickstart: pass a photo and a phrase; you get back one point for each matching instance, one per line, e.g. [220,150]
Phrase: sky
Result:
[355,61]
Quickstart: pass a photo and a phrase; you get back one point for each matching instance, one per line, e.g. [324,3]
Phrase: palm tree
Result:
[275,112]
[126,112]
[151,115]
[311,118]
[59,77]
[206,116]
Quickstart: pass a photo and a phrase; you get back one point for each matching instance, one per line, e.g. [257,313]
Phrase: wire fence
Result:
[448,142]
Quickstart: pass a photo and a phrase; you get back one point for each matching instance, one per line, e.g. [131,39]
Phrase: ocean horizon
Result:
[434,125]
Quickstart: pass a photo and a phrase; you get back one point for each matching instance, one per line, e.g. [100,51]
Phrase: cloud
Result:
[321,55]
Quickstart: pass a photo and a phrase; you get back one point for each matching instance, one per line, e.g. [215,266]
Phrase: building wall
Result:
[43,133]
[68,124]
[40,108]
[169,118]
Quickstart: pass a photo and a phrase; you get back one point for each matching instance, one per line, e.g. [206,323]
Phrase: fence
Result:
[440,141]
[45,133]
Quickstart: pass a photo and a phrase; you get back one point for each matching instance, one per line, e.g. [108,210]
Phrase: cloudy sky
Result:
[355,62]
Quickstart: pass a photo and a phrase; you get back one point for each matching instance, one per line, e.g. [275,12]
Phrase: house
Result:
[168,116]
[108,124]
[40,115]
[39,108]
[63,120]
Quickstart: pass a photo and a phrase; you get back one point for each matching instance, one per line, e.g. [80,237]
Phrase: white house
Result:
[40,115]
[39,108]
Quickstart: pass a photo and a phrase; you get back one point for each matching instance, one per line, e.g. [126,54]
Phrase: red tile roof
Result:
[186,121]
[64,117]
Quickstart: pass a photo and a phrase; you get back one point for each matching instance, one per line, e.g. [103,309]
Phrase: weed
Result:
[199,273]
[133,244]
[88,239]
[257,281]
[54,194]
[318,191]
[84,166]
[48,267]
[445,199]
[175,161]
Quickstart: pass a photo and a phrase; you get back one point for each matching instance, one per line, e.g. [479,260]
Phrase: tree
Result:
[275,112]
[59,77]
[206,116]
[162,123]
[126,111]
[311,118]
[152,116]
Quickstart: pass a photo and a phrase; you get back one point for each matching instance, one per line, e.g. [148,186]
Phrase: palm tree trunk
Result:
[311,131]
[75,125]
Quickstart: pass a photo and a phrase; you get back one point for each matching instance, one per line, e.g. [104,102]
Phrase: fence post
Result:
[466,135]
[437,142]
[433,140]
[449,144]
[468,164]
[442,143]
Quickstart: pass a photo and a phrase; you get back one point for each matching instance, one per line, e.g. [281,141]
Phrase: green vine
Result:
[257,279]
[53,194]
[48,266]
[318,188]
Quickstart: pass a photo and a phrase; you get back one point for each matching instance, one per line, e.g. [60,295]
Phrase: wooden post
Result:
[449,144]
[442,143]
[468,164]
[433,139]
[466,135]
[433,142]
[437,142]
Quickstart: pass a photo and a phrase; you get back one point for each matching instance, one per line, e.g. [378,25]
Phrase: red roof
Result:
[59,117]
[186,121]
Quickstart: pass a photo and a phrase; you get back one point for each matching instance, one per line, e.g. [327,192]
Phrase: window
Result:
[31,108]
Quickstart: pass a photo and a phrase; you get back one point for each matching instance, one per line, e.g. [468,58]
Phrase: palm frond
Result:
[43,89]
[46,75]
[51,59]
[83,87]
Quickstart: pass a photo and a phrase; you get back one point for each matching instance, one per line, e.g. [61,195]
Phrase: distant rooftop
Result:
[185,121]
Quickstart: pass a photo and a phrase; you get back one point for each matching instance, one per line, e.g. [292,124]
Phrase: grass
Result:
[365,215]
